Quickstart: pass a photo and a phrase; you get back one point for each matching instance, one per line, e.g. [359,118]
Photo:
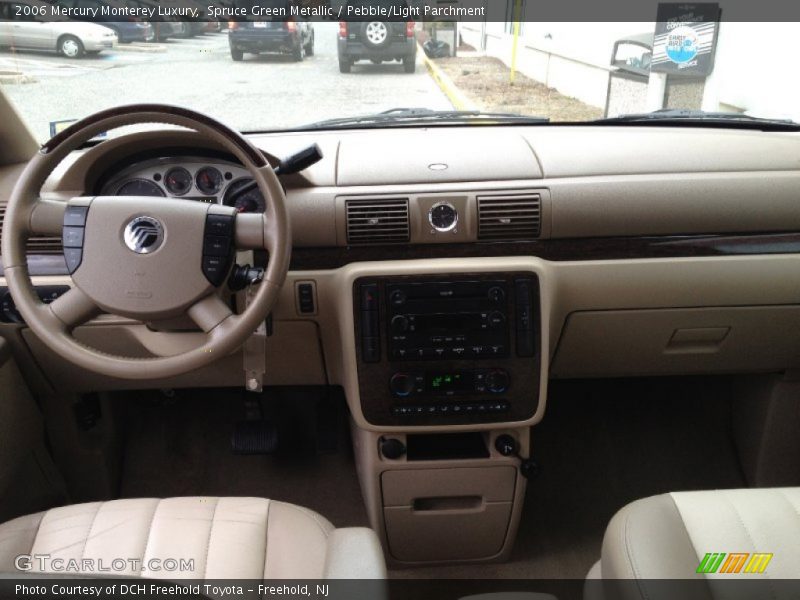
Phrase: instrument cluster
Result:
[188,178]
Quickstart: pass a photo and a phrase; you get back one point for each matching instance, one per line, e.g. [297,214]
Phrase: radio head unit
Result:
[447,320]
[465,349]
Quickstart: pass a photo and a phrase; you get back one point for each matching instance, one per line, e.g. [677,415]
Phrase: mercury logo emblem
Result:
[143,235]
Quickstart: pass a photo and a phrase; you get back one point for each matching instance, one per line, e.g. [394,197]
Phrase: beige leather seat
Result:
[667,537]
[243,538]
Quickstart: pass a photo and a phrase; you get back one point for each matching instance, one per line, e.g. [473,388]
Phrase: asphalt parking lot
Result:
[262,92]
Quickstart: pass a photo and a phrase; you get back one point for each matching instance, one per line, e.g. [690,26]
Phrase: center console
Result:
[449,368]
[440,350]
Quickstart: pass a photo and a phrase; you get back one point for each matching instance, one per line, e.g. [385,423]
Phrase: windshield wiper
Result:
[413,116]
[701,117]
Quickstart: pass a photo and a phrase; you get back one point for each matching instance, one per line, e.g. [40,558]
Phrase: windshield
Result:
[286,68]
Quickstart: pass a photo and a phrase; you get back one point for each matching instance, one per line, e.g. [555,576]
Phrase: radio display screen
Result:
[444,382]
[448,322]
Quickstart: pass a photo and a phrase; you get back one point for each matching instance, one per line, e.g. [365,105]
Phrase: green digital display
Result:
[454,381]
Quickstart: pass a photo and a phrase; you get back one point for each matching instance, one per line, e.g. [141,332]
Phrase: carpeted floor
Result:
[602,444]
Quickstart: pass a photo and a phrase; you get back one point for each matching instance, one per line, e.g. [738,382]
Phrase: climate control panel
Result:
[446,384]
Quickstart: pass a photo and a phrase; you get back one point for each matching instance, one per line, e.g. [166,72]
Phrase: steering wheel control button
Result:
[219,225]
[73,258]
[72,237]
[215,269]
[217,246]
[75,216]
[143,235]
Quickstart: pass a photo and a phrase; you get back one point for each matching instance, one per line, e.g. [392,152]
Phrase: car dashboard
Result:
[442,277]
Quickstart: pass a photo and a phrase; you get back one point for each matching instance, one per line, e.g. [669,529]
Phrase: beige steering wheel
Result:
[144,258]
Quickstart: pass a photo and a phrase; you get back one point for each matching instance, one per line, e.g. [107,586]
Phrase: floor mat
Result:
[181,446]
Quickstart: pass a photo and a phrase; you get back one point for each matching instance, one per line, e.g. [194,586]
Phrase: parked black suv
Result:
[377,40]
[285,36]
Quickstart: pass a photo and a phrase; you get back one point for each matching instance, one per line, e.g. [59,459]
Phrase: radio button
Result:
[369,296]
[400,353]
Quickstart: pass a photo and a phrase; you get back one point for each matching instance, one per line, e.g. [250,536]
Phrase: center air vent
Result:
[37,245]
[509,216]
[377,221]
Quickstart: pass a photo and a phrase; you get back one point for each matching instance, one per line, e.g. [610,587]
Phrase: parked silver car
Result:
[72,39]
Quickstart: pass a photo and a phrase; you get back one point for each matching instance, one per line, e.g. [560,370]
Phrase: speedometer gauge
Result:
[249,202]
[139,187]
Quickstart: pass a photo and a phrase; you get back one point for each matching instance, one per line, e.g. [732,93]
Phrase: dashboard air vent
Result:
[509,216]
[377,221]
[37,245]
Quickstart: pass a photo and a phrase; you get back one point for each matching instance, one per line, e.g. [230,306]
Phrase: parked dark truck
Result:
[280,34]
[377,39]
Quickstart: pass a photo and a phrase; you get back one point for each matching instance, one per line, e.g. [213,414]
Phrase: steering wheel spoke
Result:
[209,312]
[47,218]
[74,308]
[251,231]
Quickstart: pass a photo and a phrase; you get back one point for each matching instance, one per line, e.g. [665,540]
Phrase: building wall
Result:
[753,67]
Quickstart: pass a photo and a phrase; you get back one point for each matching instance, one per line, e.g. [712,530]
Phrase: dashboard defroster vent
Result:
[37,245]
[509,216]
[377,221]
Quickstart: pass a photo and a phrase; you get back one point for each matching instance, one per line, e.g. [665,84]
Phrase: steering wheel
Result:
[144,258]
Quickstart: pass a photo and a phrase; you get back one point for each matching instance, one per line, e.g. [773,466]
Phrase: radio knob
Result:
[399,324]
[496,319]
[397,298]
[496,295]
[401,384]
[497,381]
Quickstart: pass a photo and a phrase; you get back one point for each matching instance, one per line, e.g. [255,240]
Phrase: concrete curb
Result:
[457,98]
[140,47]
[15,77]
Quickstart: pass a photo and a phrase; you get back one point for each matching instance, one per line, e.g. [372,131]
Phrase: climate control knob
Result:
[497,381]
[399,324]
[401,384]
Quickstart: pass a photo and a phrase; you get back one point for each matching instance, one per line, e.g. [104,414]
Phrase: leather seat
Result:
[243,538]
[668,536]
